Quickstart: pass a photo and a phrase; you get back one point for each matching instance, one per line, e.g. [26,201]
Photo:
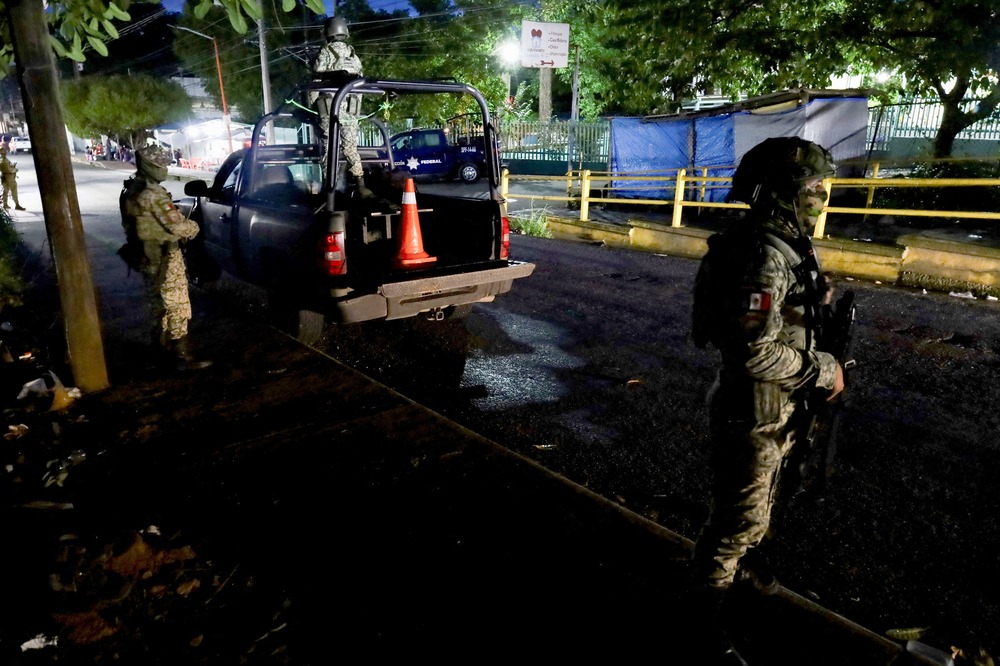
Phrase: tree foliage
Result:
[144,44]
[123,106]
[76,25]
[79,25]
[443,40]
[645,58]
[636,58]
[287,38]
[943,48]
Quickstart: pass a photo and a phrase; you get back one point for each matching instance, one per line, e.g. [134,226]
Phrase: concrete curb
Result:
[917,260]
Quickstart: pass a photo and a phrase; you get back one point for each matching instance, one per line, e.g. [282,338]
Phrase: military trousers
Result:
[752,429]
[167,292]
[349,132]
[10,191]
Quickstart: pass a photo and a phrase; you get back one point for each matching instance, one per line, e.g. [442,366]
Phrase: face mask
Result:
[809,203]
[152,172]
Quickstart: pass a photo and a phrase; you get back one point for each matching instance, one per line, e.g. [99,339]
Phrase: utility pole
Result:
[265,77]
[36,70]
[222,87]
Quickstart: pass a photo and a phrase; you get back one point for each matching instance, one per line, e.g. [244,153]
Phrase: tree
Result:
[943,48]
[124,107]
[678,48]
[77,25]
[454,40]
[144,44]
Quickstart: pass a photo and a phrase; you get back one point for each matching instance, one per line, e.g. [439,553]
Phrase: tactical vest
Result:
[133,251]
[719,290]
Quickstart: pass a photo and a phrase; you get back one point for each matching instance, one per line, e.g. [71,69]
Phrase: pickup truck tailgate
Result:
[396,300]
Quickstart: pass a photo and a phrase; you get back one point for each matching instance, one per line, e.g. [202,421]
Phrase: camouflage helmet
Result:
[151,162]
[776,168]
[335,28]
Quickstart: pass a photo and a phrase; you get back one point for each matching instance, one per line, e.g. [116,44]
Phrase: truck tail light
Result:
[504,237]
[333,259]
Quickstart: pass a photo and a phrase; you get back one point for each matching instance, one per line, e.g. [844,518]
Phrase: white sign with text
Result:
[544,45]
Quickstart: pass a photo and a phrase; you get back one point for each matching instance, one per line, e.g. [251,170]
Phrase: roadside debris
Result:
[47,390]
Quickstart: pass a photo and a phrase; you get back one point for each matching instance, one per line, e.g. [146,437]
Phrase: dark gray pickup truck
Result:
[275,216]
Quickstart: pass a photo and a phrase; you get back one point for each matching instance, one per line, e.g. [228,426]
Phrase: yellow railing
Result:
[580,185]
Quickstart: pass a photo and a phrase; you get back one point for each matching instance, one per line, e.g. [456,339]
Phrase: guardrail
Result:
[692,190]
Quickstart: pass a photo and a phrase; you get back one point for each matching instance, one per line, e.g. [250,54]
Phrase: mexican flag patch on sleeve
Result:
[760,302]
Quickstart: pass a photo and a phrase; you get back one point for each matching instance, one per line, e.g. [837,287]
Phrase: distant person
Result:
[337,57]
[8,175]
[757,300]
[150,217]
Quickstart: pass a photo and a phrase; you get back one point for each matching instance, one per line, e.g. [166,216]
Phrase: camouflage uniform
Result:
[161,228]
[339,56]
[8,174]
[757,297]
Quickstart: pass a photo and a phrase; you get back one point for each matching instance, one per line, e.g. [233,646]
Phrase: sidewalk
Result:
[175,172]
[280,507]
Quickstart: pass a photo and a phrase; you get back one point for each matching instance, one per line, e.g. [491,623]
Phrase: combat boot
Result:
[719,649]
[363,191]
[755,573]
[185,357]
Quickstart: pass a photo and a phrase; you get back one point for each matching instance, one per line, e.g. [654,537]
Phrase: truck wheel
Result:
[310,327]
[468,172]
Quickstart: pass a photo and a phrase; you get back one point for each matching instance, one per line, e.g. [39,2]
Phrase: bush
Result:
[532,224]
[957,198]
[11,282]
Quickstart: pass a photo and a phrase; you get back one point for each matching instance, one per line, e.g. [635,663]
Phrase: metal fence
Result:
[565,141]
[688,191]
[920,119]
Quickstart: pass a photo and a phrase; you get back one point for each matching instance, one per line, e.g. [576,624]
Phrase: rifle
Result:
[821,417]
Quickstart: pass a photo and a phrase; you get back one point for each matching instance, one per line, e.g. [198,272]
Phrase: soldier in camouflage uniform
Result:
[148,209]
[337,56]
[757,297]
[8,174]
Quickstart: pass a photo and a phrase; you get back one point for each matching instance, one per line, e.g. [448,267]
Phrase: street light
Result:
[222,90]
[510,55]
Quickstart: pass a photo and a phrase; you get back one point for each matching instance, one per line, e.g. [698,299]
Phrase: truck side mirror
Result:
[196,188]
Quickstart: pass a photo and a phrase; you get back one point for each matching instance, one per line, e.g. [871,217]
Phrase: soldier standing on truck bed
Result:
[337,56]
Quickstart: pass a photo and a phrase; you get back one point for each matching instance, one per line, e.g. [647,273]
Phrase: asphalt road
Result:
[586,367]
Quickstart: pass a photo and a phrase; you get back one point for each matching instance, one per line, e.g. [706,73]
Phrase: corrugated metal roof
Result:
[794,97]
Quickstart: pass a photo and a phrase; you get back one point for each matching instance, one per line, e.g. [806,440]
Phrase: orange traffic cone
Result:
[411,246]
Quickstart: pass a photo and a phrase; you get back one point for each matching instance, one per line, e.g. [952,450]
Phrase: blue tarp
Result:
[714,149]
[655,149]
[662,146]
